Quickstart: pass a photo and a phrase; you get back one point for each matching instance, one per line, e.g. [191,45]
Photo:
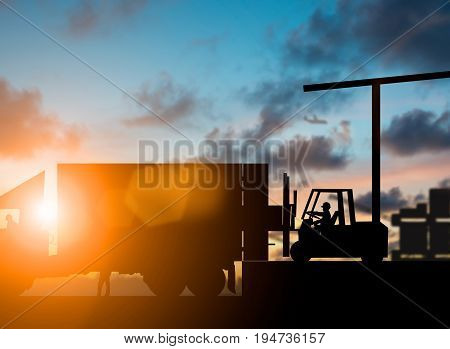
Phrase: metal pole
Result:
[294,210]
[286,216]
[376,156]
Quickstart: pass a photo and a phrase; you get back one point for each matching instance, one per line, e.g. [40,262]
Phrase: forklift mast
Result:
[289,214]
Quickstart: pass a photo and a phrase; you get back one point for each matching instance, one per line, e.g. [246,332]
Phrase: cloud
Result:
[277,100]
[342,134]
[216,133]
[171,101]
[344,37]
[280,102]
[352,33]
[319,40]
[302,156]
[323,155]
[91,15]
[392,200]
[445,183]
[213,134]
[295,156]
[420,198]
[417,131]
[25,129]
[395,199]
[324,152]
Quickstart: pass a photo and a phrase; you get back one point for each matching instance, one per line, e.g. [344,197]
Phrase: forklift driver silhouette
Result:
[104,279]
[326,216]
[11,225]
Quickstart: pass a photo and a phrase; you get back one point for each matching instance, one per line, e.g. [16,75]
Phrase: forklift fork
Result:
[289,214]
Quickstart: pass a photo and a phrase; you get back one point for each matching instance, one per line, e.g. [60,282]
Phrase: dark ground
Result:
[276,295]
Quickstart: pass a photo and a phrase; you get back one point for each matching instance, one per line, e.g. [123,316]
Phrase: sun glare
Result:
[46,213]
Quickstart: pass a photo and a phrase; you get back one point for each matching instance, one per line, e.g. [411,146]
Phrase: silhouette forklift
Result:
[368,240]
[338,237]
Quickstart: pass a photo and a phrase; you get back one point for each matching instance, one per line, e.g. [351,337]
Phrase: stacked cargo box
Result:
[425,234]
[439,221]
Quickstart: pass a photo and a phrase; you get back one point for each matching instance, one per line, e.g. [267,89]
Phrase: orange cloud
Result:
[25,129]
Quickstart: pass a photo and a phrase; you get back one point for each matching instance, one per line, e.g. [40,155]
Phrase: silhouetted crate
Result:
[440,203]
[427,234]
[439,229]
[416,241]
[413,229]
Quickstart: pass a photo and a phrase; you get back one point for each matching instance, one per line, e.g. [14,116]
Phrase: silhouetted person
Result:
[104,279]
[11,225]
[326,215]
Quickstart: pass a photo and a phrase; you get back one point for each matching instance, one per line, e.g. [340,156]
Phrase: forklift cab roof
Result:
[340,197]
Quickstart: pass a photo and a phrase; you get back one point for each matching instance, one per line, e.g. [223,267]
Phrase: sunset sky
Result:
[225,69]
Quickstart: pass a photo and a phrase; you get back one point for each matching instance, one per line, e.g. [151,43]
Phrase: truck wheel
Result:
[298,253]
[165,284]
[206,281]
[372,260]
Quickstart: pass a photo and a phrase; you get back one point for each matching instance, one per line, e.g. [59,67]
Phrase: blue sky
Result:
[232,65]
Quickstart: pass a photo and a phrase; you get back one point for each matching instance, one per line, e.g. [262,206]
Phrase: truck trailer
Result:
[176,224]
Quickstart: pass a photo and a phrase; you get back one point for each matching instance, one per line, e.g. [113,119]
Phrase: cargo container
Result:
[176,224]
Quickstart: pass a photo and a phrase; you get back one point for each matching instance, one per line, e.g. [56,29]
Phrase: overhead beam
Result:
[379,81]
[375,84]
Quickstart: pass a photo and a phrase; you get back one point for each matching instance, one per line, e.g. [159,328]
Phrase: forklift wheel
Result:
[206,281]
[298,253]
